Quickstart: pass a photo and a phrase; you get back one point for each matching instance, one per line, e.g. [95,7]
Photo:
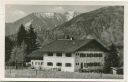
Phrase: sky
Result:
[15,12]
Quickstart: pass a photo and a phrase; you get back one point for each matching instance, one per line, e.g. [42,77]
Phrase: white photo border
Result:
[39,2]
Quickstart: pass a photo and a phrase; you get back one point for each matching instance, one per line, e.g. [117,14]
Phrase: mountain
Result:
[40,21]
[104,24]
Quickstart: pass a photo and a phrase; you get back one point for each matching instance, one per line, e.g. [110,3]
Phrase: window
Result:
[68,54]
[68,65]
[94,54]
[85,65]
[59,54]
[100,55]
[49,64]
[50,54]
[77,54]
[80,55]
[93,64]
[58,64]
[98,64]
[41,63]
[90,55]
[38,63]
[35,63]
[87,55]
[77,63]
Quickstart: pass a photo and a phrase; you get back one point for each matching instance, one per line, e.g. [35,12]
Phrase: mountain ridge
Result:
[45,20]
[102,24]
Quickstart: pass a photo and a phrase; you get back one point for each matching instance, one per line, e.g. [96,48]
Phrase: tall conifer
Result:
[21,35]
[31,40]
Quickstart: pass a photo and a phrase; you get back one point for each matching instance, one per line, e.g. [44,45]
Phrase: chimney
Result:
[71,38]
[67,37]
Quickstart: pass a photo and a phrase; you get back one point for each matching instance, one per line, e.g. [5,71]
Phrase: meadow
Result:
[29,73]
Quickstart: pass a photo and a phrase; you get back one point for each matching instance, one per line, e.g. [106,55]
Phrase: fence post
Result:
[101,75]
[10,70]
[36,72]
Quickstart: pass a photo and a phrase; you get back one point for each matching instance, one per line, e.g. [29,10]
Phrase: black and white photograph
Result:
[64,41]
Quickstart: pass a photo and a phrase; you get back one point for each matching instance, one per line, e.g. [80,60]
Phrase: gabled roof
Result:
[65,45]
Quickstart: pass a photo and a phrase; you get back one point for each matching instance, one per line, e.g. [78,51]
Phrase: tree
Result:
[18,54]
[8,48]
[112,59]
[21,35]
[31,40]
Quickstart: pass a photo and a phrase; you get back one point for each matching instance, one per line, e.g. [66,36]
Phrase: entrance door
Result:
[81,65]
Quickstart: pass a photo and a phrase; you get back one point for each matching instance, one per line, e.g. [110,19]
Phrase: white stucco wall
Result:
[73,60]
[55,59]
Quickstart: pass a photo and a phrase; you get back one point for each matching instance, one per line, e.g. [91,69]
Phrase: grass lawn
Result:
[29,73]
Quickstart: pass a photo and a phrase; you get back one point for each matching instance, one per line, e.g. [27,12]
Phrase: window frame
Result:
[41,63]
[35,63]
[58,54]
[58,63]
[51,63]
[38,63]
[68,54]
[66,65]
[49,54]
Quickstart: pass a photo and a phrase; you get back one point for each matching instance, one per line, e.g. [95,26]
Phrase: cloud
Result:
[19,13]
[58,9]
[15,15]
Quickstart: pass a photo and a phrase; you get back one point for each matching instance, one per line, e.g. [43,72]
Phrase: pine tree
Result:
[8,48]
[21,35]
[112,59]
[31,40]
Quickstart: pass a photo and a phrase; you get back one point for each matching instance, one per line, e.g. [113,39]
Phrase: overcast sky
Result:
[15,12]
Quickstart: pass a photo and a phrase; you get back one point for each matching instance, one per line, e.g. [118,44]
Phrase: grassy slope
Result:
[53,74]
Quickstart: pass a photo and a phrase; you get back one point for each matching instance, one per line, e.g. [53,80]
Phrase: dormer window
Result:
[68,55]
[50,54]
[59,54]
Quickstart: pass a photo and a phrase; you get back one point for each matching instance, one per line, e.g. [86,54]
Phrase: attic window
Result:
[68,54]
[59,54]
[50,54]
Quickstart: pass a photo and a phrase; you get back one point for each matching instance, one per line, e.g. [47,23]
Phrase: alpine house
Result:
[70,55]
